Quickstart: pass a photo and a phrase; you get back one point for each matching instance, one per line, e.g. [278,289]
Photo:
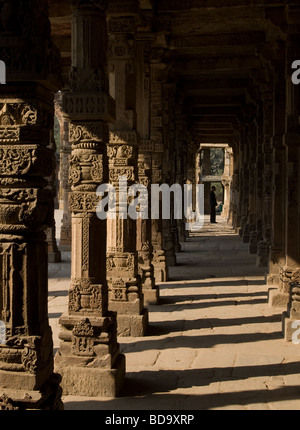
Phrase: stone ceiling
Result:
[216,54]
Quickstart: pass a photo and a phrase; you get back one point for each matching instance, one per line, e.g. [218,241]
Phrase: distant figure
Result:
[213,204]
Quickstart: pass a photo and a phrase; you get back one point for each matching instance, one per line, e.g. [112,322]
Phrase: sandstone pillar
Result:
[247,227]
[89,358]
[125,288]
[144,237]
[180,132]
[167,122]
[27,380]
[278,291]
[227,182]
[255,234]
[54,255]
[65,155]
[161,271]
[206,171]
[263,247]
[292,144]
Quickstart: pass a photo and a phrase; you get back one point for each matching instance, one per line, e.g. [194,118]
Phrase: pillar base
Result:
[273,279]
[151,297]
[161,273]
[93,382]
[287,329]
[133,325]
[54,257]
[278,299]
[47,398]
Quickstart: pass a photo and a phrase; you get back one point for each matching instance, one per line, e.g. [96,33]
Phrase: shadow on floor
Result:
[150,390]
[158,329]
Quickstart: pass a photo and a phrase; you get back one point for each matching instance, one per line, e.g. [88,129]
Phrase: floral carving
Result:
[84,295]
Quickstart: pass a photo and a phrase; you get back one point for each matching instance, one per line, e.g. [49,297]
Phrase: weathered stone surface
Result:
[89,356]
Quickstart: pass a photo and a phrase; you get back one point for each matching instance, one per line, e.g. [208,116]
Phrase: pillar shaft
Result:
[161,271]
[89,358]
[144,238]
[65,186]
[125,288]
[278,291]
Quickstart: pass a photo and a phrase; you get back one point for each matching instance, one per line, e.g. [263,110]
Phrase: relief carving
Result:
[83,201]
[85,296]
[83,338]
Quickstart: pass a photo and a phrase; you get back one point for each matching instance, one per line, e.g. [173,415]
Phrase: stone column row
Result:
[89,358]
[27,162]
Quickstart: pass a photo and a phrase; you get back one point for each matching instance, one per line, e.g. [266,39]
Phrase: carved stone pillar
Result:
[254,236]
[236,217]
[278,291]
[54,255]
[227,182]
[263,247]
[180,142]
[292,145]
[125,288]
[206,171]
[27,380]
[65,155]
[144,237]
[247,198]
[89,358]
[293,312]
[243,201]
[161,271]
[167,121]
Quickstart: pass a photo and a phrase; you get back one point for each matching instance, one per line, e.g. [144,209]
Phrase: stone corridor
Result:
[213,342]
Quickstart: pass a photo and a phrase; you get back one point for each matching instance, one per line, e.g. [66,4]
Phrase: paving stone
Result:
[213,342]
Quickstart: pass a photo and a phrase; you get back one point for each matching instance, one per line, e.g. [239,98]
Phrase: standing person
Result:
[213,204]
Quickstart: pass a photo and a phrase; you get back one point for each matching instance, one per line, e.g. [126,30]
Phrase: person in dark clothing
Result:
[213,204]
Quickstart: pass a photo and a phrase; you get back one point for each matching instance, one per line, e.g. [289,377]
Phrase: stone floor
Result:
[213,342]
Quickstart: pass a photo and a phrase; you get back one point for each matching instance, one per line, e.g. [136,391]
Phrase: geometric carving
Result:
[121,25]
[87,132]
[83,201]
[118,290]
[87,168]
[116,172]
[98,106]
[82,338]
[85,297]
[120,262]
[19,160]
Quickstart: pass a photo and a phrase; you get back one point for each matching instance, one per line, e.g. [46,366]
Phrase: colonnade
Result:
[121,115]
